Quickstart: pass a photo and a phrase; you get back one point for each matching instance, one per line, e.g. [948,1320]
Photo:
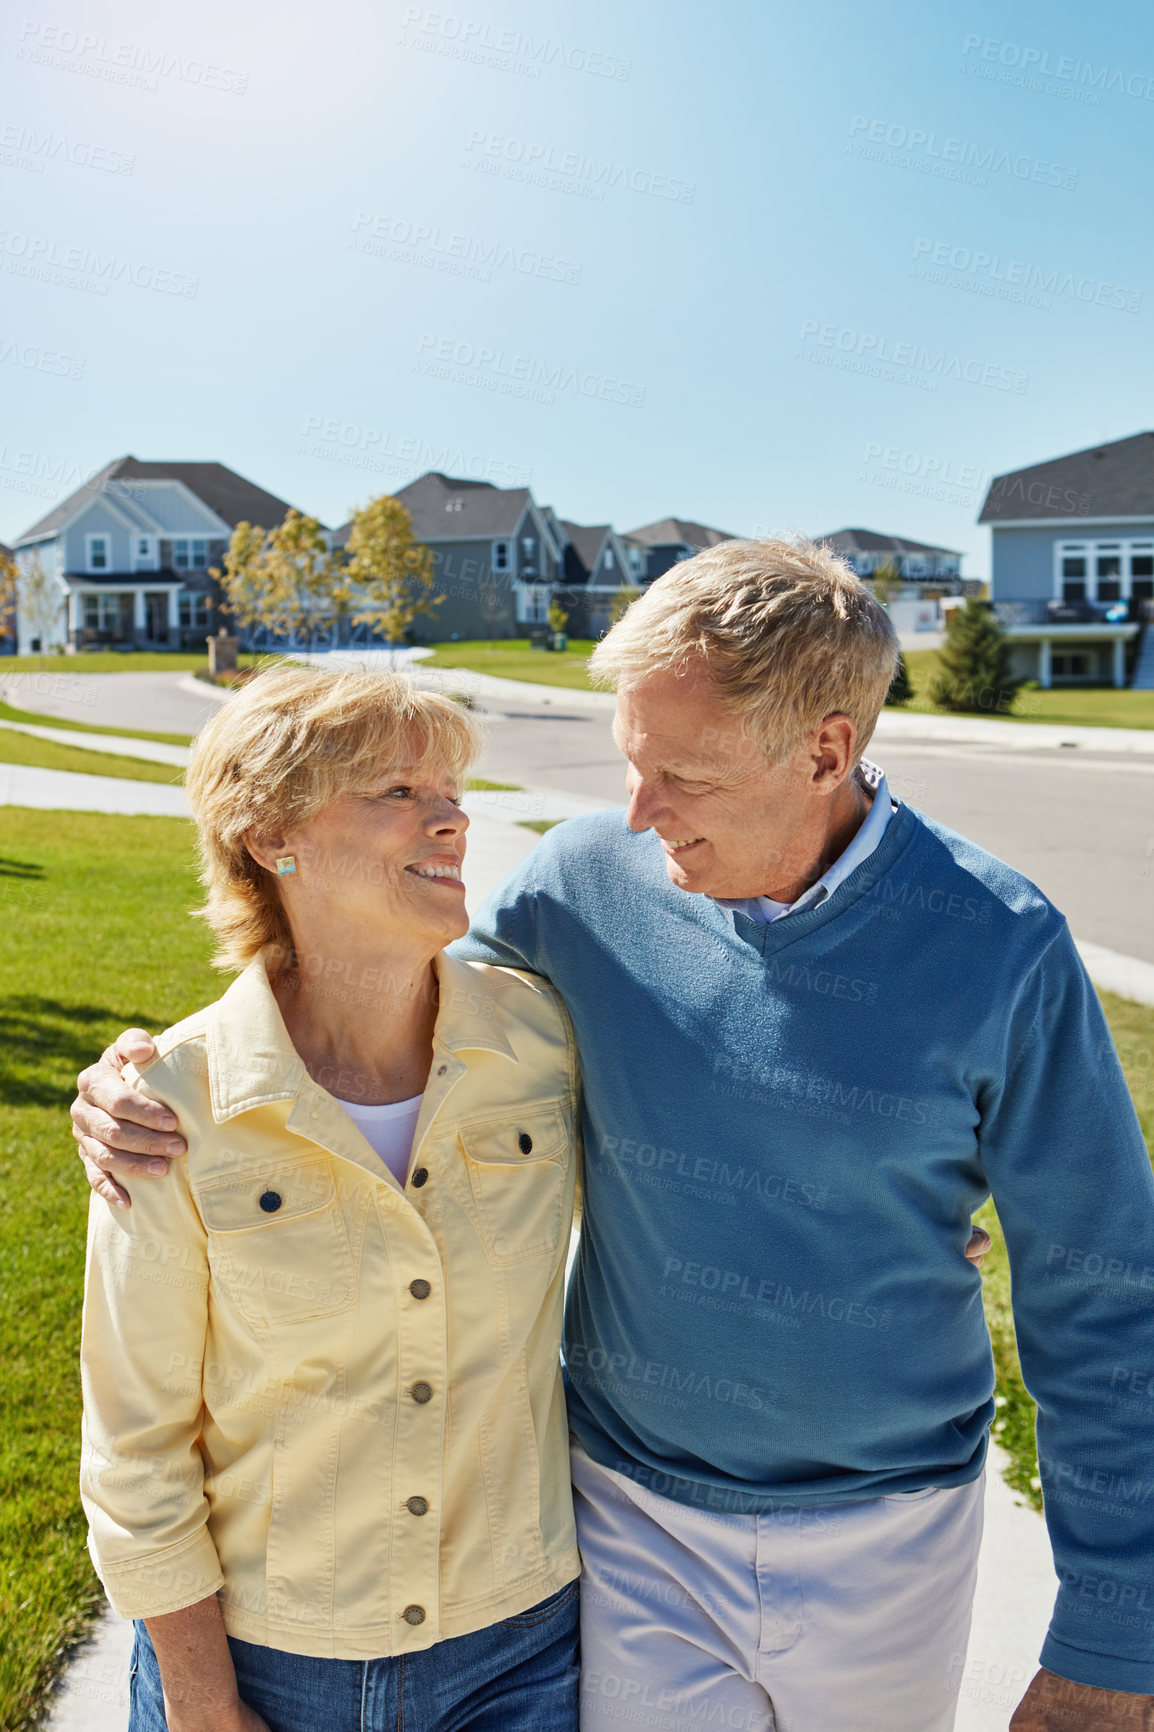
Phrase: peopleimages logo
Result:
[1038,62]
[953,158]
[926,366]
[990,274]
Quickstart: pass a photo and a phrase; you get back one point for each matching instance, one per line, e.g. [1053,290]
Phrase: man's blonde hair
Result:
[786,630]
[291,741]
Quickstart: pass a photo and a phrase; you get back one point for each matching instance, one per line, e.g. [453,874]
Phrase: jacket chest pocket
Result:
[278,1243]
[519,1177]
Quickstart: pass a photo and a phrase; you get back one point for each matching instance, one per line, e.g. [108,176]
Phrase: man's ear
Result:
[264,848]
[832,752]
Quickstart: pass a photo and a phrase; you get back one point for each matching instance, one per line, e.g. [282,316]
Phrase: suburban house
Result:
[594,568]
[915,561]
[656,546]
[125,560]
[499,558]
[1072,568]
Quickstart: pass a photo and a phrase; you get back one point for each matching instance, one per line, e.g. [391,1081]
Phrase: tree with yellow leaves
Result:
[392,574]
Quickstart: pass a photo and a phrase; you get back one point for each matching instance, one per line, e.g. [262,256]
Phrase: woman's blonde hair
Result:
[291,741]
[787,631]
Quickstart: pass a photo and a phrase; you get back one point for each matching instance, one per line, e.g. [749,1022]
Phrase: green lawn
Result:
[97,937]
[52,755]
[515,659]
[1093,707]
[8,714]
[109,662]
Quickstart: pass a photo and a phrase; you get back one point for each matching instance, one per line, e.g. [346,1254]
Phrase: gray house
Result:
[499,558]
[125,559]
[495,556]
[916,561]
[1072,567]
[656,546]
[595,567]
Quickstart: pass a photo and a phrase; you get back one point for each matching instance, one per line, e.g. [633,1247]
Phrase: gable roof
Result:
[676,531]
[587,538]
[1112,480]
[849,541]
[484,510]
[231,496]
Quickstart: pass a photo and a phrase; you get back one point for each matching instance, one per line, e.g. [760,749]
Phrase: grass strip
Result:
[10,714]
[109,662]
[53,755]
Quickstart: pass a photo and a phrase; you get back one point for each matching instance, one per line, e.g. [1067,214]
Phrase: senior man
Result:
[817,1031]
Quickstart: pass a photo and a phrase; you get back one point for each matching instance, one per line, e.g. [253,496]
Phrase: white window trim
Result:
[495,561]
[98,535]
[1089,550]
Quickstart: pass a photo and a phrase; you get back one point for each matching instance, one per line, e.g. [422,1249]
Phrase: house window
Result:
[500,556]
[101,613]
[98,553]
[190,555]
[1070,667]
[1074,578]
[194,609]
[455,504]
[142,547]
[609,559]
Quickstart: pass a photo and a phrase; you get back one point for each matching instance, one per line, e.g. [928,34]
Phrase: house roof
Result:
[231,496]
[587,538]
[872,541]
[484,510]
[678,531]
[1113,480]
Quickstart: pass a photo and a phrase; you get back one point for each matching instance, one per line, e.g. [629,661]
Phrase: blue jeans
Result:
[516,1676]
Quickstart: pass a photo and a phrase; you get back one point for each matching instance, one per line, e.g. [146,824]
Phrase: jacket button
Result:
[441,1069]
[421,1392]
[270,1201]
[417,1506]
[419,1288]
[419,1178]
[414,1614]
[525,1143]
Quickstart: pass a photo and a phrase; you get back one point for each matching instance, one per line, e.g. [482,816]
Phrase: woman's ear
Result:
[264,849]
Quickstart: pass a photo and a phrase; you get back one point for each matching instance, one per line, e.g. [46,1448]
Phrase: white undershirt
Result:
[389,1129]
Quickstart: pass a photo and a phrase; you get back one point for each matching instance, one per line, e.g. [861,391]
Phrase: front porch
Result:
[157,614]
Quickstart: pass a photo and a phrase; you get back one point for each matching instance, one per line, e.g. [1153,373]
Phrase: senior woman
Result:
[325,1461]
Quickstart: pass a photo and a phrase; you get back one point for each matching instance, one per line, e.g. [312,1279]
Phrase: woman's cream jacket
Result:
[337,1401]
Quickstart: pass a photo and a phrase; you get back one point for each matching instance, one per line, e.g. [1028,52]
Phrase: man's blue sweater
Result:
[787,1130]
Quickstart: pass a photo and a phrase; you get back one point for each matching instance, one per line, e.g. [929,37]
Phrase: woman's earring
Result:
[286,863]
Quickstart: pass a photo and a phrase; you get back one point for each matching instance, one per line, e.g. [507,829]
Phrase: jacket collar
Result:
[252,1061]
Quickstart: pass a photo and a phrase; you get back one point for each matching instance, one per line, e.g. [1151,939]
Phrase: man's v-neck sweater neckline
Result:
[775,936]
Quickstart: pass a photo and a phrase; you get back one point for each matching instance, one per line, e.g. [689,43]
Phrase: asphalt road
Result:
[1082,829]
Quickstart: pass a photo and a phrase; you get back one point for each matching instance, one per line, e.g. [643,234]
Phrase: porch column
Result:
[139,618]
[1044,674]
[174,610]
[1119,662]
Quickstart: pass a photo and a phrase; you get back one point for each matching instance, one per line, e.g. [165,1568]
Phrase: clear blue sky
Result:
[737,200]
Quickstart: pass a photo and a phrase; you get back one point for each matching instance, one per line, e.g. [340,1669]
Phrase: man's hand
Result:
[120,1131]
[979,1244]
[1053,1704]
